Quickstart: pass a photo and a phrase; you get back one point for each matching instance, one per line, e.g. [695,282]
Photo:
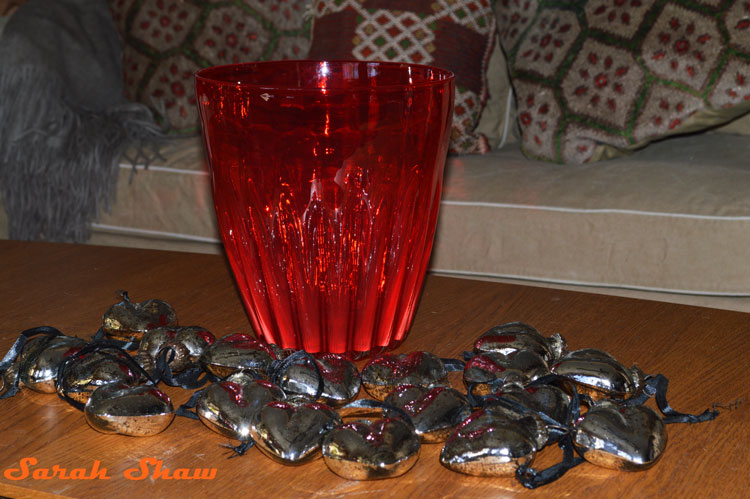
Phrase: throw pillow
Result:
[596,78]
[453,34]
[166,41]
[740,126]
[497,121]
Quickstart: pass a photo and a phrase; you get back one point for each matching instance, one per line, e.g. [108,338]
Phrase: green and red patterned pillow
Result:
[453,34]
[166,41]
[596,78]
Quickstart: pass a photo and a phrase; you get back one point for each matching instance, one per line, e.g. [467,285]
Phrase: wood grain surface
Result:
[704,353]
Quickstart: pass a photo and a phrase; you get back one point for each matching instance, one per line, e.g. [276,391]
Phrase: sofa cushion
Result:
[603,77]
[672,217]
[456,35]
[166,41]
[163,205]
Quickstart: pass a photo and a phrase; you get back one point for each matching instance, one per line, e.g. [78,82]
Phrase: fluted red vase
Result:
[326,182]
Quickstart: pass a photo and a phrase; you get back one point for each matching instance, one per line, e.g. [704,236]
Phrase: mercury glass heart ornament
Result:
[228,406]
[364,450]
[487,370]
[547,399]
[292,434]
[435,412]
[188,343]
[128,321]
[383,374]
[599,375]
[494,441]
[88,372]
[238,352]
[341,381]
[620,437]
[7,379]
[514,336]
[40,359]
[136,411]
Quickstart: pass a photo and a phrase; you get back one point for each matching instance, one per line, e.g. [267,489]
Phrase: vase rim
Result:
[323,76]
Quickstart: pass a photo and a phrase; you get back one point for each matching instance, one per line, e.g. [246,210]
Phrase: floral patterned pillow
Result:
[453,34]
[166,41]
[596,78]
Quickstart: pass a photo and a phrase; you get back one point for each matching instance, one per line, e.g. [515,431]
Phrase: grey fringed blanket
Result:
[64,122]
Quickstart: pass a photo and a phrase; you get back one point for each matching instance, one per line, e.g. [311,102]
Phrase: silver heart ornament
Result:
[435,412]
[292,434]
[129,321]
[86,373]
[620,437]
[341,381]
[229,406]
[494,441]
[547,399]
[40,359]
[188,343]
[599,375]
[487,370]
[364,450]
[515,336]
[138,411]
[238,352]
[384,373]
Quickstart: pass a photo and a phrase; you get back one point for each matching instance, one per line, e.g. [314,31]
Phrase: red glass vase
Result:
[326,182]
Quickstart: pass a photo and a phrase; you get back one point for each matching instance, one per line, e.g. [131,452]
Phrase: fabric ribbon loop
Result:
[453,365]
[101,337]
[187,410]
[531,478]
[239,450]
[656,386]
[279,367]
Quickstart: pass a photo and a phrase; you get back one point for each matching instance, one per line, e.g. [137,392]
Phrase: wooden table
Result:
[704,353]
